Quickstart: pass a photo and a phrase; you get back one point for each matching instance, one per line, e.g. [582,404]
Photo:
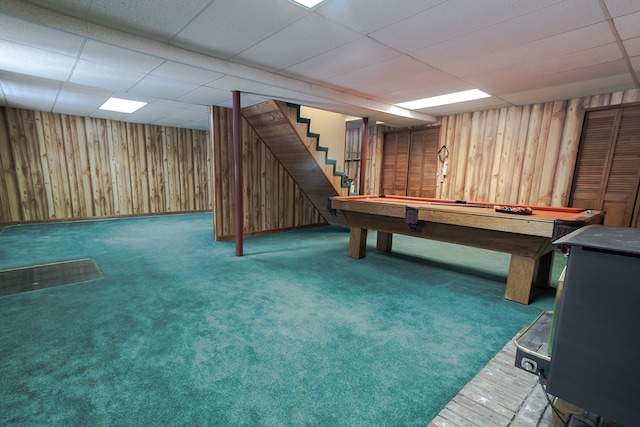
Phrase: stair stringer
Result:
[271,122]
[320,153]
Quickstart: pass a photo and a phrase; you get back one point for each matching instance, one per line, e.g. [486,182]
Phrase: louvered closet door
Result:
[409,162]
[607,173]
[395,161]
[423,163]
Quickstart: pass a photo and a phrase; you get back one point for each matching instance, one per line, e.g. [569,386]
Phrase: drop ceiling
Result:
[355,57]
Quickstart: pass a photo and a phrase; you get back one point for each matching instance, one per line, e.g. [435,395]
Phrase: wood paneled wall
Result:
[68,167]
[520,155]
[523,155]
[271,199]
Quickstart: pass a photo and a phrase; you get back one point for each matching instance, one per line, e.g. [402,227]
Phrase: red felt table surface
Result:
[542,212]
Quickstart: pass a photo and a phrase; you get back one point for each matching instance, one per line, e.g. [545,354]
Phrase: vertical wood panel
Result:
[68,173]
[543,137]
[272,199]
[568,150]
[461,156]
[26,151]
[486,167]
[47,149]
[85,190]
[9,190]
[531,147]
[554,140]
[518,154]
[497,165]
[71,155]
[64,167]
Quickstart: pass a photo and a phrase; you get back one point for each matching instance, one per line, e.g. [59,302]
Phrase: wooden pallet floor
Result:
[500,395]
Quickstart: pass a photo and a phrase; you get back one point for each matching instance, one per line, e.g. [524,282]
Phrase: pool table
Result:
[526,234]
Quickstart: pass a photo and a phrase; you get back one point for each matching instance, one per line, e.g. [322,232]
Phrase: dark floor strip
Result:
[35,277]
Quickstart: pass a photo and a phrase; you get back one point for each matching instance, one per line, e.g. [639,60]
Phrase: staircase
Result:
[288,137]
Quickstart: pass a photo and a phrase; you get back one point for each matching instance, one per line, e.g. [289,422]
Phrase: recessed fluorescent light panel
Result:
[308,3]
[451,98]
[122,105]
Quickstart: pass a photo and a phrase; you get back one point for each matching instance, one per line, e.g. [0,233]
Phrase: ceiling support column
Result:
[237,171]
[363,153]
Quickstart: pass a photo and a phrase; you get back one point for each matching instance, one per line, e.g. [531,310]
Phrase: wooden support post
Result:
[520,279]
[357,242]
[384,241]
[363,153]
[237,170]
[542,273]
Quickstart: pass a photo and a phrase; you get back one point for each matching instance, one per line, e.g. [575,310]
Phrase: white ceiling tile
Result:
[501,82]
[35,62]
[204,95]
[458,54]
[104,76]
[228,27]
[305,38]
[158,18]
[366,16]
[431,82]
[528,48]
[33,91]
[569,90]
[78,8]
[72,94]
[632,46]
[186,115]
[628,26]
[40,104]
[618,8]
[37,36]
[560,45]
[345,58]
[231,83]
[150,112]
[161,88]
[379,72]
[103,53]
[186,73]
[289,95]
[450,20]
[177,105]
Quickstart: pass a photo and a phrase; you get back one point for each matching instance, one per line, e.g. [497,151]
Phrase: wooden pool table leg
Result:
[543,270]
[357,242]
[384,241]
[520,279]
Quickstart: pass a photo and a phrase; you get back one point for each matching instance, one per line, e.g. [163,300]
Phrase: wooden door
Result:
[410,162]
[395,160]
[423,163]
[607,175]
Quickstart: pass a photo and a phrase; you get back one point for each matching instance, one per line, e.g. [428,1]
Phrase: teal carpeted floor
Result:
[180,331]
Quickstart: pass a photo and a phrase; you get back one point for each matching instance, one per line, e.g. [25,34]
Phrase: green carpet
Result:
[180,331]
